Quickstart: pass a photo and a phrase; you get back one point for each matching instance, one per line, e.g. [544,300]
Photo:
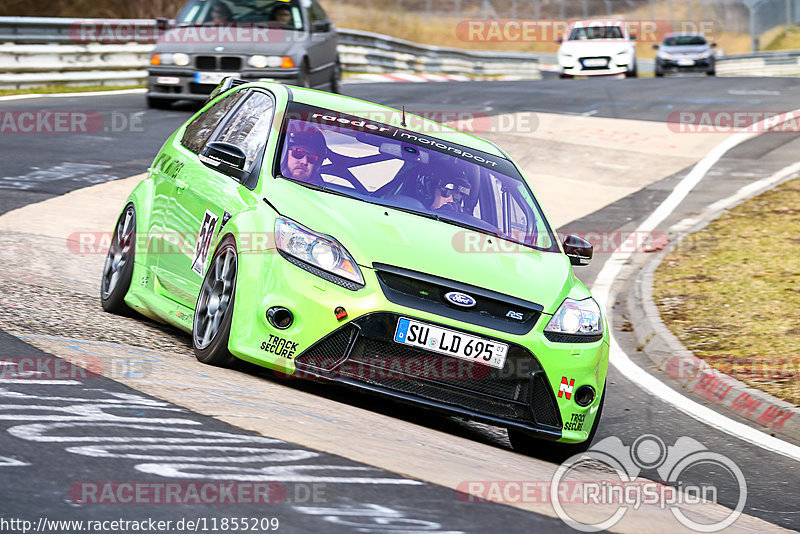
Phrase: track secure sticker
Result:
[575,422]
[280,346]
[204,238]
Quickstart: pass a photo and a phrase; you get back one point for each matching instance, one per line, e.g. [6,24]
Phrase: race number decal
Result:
[204,239]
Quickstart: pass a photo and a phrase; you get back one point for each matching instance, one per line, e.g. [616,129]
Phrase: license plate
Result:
[685,62]
[213,77]
[452,343]
[595,62]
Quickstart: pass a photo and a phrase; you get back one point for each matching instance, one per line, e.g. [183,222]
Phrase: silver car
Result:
[685,52]
[291,42]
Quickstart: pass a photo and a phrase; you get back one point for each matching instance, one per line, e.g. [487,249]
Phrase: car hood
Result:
[689,50]
[594,47]
[378,234]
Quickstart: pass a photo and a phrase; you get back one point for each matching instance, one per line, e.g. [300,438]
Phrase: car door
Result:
[206,198]
[322,46]
[167,175]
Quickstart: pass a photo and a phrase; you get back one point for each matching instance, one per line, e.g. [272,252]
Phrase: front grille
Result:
[364,351]
[232,63]
[206,62]
[426,292]
[544,404]
[330,351]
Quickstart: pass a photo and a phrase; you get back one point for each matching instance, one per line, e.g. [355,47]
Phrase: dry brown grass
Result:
[731,292]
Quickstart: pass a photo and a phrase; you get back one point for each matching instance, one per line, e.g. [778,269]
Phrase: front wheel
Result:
[336,78]
[633,73]
[554,452]
[118,269]
[214,310]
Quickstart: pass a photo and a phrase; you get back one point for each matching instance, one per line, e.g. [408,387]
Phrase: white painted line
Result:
[63,95]
[608,274]
[39,382]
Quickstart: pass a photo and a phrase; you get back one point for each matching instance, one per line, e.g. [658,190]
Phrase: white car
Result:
[597,47]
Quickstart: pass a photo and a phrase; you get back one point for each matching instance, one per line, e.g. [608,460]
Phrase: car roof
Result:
[594,22]
[369,110]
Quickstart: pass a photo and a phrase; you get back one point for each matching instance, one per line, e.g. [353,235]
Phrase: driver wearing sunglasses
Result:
[305,153]
[450,194]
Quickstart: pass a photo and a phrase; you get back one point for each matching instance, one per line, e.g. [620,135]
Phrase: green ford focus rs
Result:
[327,237]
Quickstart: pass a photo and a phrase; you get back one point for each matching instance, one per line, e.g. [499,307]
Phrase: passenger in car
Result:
[449,194]
[220,12]
[283,15]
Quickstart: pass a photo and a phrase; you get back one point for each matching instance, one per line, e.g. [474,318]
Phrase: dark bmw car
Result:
[685,52]
[291,42]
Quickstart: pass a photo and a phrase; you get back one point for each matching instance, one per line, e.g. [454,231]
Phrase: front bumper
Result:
[179,84]
[593,66]
[698,65]
[359,351]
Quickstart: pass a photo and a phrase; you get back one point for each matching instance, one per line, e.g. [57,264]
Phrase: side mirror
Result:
[321,26]
[226,158]
[634,37]
[655,47]
[713,45]
[560,40]
[578,250]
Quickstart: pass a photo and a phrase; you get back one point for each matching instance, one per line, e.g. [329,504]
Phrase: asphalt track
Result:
[39,166]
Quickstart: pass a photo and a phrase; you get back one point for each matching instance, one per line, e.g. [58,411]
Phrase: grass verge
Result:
[731,292]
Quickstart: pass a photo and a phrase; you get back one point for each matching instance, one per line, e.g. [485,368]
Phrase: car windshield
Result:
[595,32]
[685,40]
[277,13]
[380,164]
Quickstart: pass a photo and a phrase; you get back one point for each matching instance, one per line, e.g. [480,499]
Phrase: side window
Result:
[316,13]
[248,128]
[199,130]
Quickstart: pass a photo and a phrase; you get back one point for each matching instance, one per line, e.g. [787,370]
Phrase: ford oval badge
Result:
[460,299]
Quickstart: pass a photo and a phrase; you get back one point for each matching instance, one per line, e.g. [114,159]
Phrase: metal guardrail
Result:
[40,51]
[760,64]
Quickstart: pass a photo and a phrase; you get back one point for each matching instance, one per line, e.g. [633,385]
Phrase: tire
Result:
[550,451]
[634,73]
[153,102]
[214,309]
[659,74]
[118,269]
[305,75]
[336,78]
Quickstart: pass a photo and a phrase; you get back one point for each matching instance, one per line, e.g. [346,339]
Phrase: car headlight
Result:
[576,317]
[704,55]
[161,59]
[258,61]
[318,250]
[180,59]
[667,55]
